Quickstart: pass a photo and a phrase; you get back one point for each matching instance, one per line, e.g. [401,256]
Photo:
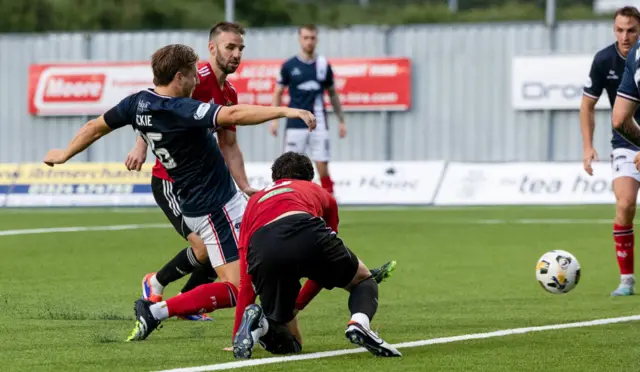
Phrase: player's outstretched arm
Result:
[88,134]
[253,114]
[622,118]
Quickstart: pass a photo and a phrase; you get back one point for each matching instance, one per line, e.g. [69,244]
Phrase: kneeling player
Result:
[289,233]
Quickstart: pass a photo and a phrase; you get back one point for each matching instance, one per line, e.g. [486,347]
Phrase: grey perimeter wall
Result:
[461,107]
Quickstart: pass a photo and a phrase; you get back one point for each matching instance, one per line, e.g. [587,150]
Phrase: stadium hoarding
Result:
[356,184]
[525,184]
[111,184]
[552,82]
[91,88]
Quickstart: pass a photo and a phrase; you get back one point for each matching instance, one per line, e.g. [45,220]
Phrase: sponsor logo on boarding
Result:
[73,88]
[372,182]
[552,82]
[77,89]
[524,183]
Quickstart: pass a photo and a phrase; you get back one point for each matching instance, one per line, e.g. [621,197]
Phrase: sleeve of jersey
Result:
[196,114]
[283,76]
[628,88]
[595,82]
[331,212]
[118,115]
[328,83]
[246,294]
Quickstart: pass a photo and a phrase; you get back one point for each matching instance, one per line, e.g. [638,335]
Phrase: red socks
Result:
[327,184]
[203,299]
[623,236]
[307,293]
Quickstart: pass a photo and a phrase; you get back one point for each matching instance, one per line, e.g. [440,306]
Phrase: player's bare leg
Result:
[325,177]
[626,192]
[363,304]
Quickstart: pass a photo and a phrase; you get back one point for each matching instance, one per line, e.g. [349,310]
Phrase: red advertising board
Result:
[376,84]
[364,84]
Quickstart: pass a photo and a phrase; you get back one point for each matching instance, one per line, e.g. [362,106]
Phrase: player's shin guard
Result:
[201,275]
[203,299]
[363,301]
[327,184]
[182,264]
[624,239]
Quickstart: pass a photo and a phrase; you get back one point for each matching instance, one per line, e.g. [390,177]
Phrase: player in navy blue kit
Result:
[606,72]
[179,131]
[308,75]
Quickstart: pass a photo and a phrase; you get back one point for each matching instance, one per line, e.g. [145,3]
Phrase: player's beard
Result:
[310,50]
[226,66]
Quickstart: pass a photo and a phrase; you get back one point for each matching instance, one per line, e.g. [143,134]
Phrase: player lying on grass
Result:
[152,314]
[289,232]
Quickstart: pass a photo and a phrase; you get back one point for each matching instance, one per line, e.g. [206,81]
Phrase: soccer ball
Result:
[558,271]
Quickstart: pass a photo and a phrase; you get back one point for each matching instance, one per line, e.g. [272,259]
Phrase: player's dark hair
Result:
[168,60]
[628,11]
[221,27]
[308,27]
[292,165]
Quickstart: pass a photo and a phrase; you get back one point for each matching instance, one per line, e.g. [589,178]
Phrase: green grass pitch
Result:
[66,299]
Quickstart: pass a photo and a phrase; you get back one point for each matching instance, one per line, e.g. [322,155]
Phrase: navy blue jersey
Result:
[179,131]
[629,86]
[307,81]
[606,74]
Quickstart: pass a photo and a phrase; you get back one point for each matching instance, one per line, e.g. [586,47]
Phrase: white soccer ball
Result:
[558,271]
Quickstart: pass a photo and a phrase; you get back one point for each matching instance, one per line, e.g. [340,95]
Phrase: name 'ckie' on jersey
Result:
[179,131]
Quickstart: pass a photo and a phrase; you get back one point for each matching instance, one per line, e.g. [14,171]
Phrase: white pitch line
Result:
[83,228]
[541,221]
[433,341]
[530,221]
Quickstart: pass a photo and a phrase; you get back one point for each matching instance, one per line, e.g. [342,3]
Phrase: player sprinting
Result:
[606,71]
[178,129]
[226,44]
[290,232]
[308,75]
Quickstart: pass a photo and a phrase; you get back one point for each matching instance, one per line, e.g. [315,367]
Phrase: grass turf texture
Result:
[66,299]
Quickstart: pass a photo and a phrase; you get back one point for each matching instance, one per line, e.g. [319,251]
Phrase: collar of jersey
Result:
[157,94]
[307,61]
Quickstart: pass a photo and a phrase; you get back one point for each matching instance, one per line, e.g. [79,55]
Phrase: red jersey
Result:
[206,91]
[264,207]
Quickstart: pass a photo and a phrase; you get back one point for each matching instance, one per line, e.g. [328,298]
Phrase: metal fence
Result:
[461,108]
